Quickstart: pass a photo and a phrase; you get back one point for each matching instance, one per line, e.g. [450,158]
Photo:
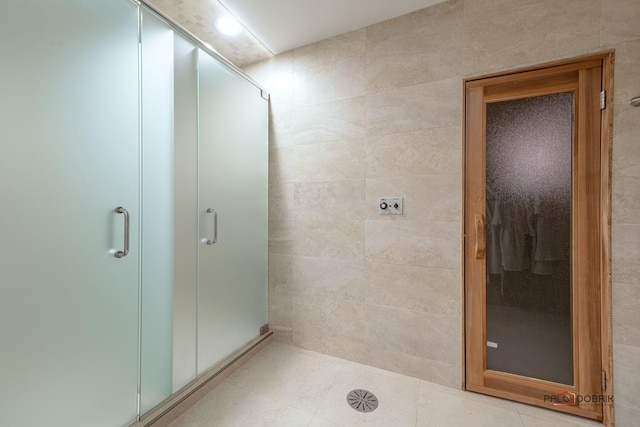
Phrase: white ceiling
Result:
[282,25]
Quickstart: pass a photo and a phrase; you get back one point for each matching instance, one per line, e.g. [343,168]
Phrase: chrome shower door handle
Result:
[215,226]
[125,252]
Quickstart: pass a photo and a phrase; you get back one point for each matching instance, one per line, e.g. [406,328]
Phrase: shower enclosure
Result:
[134,220]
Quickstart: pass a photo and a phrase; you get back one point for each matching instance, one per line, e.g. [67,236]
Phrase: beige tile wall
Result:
[378,112]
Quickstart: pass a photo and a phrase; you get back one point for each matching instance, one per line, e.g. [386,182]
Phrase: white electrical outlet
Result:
[390,206]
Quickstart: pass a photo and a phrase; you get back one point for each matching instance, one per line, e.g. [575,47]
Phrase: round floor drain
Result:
[362,400]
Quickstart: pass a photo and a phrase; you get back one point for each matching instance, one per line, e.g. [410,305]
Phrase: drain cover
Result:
[362,400]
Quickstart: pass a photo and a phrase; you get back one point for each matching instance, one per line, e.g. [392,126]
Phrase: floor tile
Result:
[321,422]
[287,386]
[296,378]
[538,417]
[397,398]
[440,409]
[231,406]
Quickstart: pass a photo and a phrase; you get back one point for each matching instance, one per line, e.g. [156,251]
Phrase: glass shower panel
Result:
[185,255]
[68,158]
[233,163]
[528,185]
[157,247]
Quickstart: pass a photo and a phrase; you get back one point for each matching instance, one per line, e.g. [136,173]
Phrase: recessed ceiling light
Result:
[228,26]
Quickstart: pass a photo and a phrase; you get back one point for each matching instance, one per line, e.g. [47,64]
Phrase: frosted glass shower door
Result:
[169,228]
[157,225]
[233,163]
[68,159]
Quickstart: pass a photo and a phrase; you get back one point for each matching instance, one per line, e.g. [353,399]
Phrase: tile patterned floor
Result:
[285,386]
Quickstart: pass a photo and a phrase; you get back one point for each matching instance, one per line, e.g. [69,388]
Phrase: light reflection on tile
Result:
[330,50]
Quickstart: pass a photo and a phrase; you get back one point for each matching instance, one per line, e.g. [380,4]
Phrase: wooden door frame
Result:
[606,59]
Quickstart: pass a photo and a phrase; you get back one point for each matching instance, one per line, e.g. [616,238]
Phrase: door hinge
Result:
[604,380]
[603,100]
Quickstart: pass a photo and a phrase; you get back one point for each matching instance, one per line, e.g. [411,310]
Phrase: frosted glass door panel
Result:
[529,167]
[233,159]
[157,245]
[185,211]
[68,159]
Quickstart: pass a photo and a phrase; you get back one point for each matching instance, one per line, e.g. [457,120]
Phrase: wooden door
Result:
[535,252]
